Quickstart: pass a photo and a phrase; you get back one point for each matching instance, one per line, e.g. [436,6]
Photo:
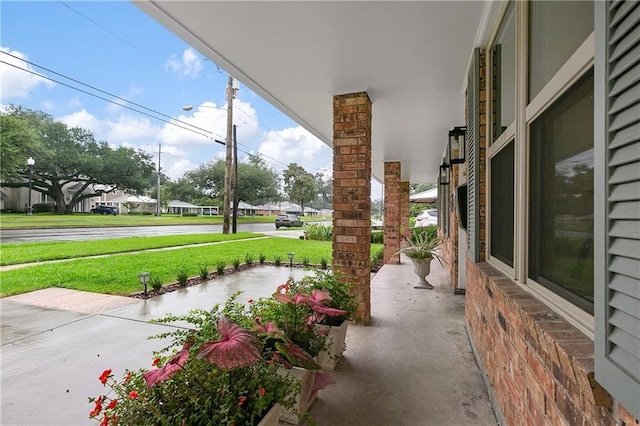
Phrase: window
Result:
[556,30]
[502,204]
[504,74]
[561,196]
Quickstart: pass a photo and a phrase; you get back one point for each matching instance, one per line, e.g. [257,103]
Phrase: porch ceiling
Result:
[411,57]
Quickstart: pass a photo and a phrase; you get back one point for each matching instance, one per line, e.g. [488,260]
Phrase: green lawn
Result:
[119,274]
[48,220]
[14,253]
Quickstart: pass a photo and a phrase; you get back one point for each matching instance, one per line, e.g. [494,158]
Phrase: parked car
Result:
[427,217]
[104,210]
[288,220]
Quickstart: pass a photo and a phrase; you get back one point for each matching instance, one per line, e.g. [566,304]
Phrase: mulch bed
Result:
[168,288]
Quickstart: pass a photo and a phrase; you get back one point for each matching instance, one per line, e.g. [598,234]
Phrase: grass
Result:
[50,220]
[14,253]
[119,274]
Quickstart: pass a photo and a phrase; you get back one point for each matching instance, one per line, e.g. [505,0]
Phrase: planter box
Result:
[304,399]
[272,418]
[337,335]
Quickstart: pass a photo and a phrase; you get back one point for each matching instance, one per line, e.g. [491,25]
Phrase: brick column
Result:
[405,207]
[352,195]
[391,212]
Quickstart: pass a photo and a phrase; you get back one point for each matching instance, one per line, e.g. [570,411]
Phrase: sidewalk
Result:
[412,366]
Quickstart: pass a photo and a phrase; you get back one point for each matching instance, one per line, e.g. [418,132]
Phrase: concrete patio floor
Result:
[412,366]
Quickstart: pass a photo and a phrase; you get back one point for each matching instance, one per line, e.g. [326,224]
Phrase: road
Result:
[83,234]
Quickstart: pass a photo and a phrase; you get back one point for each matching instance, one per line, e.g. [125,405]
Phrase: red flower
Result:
[105,420]
[126,379]
[242,400]
[156,362]
[262,391]
[250,300]
[104,376]
[98,407]
[112,404]
[133,394]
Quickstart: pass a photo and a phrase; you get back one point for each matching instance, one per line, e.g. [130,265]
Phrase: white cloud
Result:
[16,83]
[178,168]
[130,128]
[189,65]
[296,145]
[84,120]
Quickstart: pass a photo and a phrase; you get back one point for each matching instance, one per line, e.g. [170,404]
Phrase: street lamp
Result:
[30,163]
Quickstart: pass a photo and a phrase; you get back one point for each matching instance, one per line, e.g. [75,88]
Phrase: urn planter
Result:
[422,268]
[337,335]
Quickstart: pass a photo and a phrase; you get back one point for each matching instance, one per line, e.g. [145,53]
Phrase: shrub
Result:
[248,259]
[220,267]
[182,277]
[377,237]
[189,214]
[43,208]
[262,258]
[306,262]
[323,263]
[236,263]
[155,283]
[134,213]
[147,213]
[318,232]
[204,272]
[377,257]
[278,260]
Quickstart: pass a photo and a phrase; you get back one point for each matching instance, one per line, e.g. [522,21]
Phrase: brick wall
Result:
[352,195]
[539,366]
[404,207]
[392,191]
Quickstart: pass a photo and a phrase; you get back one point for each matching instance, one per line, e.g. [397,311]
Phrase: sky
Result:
[113,50]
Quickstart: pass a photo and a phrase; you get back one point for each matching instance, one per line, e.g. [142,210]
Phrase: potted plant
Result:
[218,372]
[294,310]
[421,245]
[341,297]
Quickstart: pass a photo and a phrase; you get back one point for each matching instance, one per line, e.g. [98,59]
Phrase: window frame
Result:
[576,66]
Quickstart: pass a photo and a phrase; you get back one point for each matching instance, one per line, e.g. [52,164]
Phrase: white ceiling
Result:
[411,57]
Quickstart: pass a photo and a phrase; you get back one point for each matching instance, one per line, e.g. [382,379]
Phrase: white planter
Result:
[422,268]
[335,345]
[304,399]
[272,418]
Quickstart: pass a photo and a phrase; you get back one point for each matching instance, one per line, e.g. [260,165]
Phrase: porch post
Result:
[352,195]
[405,208]
[391,212]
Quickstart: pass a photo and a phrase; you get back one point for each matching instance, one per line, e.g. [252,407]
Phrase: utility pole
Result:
[229,157]
[159,169]
[234,227]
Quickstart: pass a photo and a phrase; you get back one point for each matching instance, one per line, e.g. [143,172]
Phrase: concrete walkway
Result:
[412,366]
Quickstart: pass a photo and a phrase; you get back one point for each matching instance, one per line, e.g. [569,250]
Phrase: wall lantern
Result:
[457,143]
[290,254]
[144,280]
[444,176]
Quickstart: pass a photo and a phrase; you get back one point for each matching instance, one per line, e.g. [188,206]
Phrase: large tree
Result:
[71,157]
[299,185]
[257,183]
[325,190]
[18,141]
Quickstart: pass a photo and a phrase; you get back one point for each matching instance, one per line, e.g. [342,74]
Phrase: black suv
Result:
[288,220]
[104,210]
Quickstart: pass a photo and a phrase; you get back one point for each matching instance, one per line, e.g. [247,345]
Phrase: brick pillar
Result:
[391,212]
[352,195]
[405,207]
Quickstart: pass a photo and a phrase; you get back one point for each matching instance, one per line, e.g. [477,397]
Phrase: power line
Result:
[171,120]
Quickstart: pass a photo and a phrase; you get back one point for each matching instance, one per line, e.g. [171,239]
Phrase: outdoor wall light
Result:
[144,279]
[444,177]
[290,254]
[457,143]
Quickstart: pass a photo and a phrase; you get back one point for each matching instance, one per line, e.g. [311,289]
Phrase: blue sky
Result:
[116,48]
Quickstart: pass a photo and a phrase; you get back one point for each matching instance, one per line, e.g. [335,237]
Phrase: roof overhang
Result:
[410,57]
